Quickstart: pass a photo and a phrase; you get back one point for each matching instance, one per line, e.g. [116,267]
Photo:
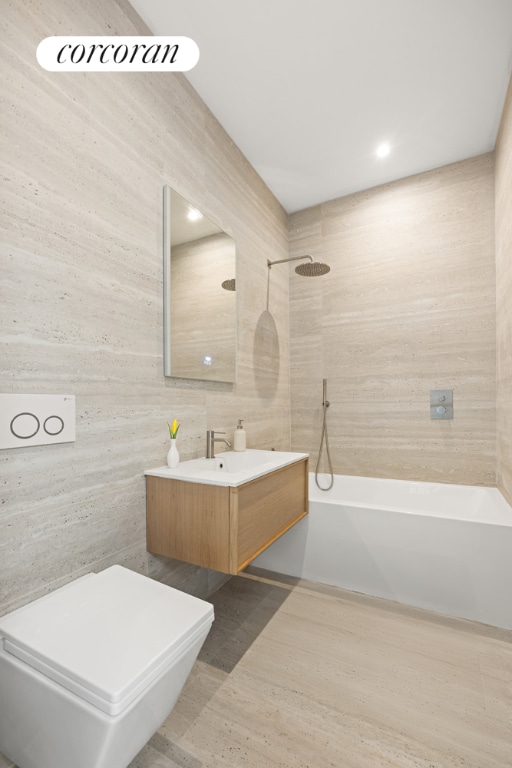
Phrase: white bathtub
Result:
[447,548]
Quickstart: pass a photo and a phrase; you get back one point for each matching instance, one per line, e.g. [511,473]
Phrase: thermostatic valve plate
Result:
[441,403]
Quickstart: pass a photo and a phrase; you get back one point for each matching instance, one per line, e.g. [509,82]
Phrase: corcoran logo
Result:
[117,54]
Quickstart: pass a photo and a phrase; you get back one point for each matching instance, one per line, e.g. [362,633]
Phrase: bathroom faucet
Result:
[211,439]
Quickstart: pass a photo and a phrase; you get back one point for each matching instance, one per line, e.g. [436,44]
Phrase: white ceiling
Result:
[308,88]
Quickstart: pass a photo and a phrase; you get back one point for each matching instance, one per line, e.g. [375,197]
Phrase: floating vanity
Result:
[221,513]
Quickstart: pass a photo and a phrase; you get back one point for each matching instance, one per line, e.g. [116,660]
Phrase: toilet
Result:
[90,671]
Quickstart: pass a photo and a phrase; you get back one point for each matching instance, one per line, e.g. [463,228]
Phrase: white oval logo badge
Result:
[117,54]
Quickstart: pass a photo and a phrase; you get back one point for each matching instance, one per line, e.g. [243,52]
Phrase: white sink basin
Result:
[229,468]
[232,461]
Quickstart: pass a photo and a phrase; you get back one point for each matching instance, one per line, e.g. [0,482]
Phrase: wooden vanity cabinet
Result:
[222,527]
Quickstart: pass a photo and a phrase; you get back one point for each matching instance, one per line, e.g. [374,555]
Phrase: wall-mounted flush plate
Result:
[441,403]
[36,420]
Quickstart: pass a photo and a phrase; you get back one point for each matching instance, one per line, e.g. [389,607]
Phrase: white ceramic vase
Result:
[173,456]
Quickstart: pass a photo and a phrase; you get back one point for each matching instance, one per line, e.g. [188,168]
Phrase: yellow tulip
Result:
[173,429]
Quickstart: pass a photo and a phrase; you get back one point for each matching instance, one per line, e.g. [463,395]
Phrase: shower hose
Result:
[324,440]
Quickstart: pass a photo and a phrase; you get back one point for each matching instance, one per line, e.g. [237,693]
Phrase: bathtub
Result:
[446,548]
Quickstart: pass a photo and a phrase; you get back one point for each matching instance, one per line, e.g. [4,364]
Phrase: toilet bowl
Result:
[89,672]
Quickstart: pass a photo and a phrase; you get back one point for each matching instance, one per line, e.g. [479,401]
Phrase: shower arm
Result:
[282,261]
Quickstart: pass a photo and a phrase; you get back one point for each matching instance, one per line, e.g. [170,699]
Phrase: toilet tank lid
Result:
[106,636]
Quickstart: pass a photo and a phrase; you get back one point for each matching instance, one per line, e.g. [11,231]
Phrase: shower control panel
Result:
[27,420]
[441,403]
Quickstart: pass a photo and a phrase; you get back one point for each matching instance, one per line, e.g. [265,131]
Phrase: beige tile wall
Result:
[409,306]
[504,297]
[86,157]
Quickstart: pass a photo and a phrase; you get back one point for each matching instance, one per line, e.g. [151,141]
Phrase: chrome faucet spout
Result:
[211,439]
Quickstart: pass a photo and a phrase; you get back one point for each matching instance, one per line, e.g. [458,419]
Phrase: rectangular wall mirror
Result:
[199,294]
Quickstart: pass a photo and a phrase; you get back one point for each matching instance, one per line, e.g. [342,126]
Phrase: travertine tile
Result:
[408,306]
[300,674]
[81,308]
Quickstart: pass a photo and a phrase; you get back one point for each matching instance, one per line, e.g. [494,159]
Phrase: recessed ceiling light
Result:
[194,214]
[383,150]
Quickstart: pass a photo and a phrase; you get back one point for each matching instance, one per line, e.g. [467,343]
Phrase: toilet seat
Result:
[106,637]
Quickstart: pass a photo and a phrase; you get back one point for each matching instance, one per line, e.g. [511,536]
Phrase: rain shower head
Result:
[229,285]
[311,269]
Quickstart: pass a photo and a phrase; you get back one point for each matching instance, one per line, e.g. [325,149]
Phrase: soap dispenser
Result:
[239,440]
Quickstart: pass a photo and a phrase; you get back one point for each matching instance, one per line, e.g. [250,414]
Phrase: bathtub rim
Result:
[502,511]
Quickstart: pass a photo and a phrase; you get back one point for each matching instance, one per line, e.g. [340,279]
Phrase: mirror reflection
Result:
[199,294]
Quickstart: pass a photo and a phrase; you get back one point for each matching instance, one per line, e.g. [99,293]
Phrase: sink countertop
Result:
[229,468]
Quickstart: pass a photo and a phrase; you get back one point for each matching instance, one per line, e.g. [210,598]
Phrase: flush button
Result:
[27,420]
[53,425]
[24,426]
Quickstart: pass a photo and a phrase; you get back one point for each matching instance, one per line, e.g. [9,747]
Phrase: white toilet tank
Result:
[89,672]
